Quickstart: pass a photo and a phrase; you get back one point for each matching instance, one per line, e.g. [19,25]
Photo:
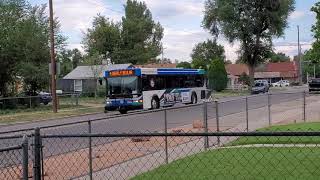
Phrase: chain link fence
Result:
[183,155]
[140,144]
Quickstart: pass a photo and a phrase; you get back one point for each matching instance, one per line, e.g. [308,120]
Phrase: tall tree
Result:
[141,36]
[184,65]
[35,50]
[77,58]
[103,38]
[252,23]
[217,75]
[313,54]
[203,53]
[11,18]
[278,57]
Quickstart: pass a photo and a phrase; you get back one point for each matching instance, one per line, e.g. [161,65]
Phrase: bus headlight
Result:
[138,101]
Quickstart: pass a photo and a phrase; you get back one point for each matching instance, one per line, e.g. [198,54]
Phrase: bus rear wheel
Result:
[155,104]
[194,98]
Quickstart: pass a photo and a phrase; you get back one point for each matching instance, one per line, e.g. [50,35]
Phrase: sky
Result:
[181,20]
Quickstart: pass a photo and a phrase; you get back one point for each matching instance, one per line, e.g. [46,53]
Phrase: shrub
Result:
[217,75]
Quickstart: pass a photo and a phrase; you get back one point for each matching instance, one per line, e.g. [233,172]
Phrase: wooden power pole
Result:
[53,61]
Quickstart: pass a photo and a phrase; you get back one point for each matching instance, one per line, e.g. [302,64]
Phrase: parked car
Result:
[265,82]
[282,83]
[38,97]
[314,84]
[259,88]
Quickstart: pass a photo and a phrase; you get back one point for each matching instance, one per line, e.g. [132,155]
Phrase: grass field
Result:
[250,162]
[283,140]
[67,107]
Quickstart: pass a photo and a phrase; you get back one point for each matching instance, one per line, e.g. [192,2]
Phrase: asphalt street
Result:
[139,122]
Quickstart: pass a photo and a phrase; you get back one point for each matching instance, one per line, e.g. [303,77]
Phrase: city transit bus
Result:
[152,88]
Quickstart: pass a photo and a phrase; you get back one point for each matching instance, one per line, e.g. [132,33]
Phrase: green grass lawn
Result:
[250,162]
[283,140]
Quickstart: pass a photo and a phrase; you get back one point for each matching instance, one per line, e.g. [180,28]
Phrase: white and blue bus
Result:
[152,88]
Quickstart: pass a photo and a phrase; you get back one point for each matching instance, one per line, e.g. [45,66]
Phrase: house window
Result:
[78,85]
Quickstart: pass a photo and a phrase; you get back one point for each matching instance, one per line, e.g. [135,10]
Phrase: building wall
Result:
[66,85]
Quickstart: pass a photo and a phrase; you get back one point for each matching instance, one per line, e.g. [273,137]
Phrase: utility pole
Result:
[53,62]
[299,58]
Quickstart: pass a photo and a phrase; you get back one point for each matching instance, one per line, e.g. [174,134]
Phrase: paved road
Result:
[155,120]
[143,122]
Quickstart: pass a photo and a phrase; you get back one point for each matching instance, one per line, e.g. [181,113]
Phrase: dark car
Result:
[259,87]
[314,85]
[42,97]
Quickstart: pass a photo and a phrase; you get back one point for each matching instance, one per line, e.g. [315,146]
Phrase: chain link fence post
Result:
[205,123]
[217,119]
[166,137]
[269,109]
[90,150]
[247,114]
[37,155]
[304,106]
[25,160]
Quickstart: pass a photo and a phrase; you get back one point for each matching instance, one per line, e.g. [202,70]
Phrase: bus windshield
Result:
[123,85]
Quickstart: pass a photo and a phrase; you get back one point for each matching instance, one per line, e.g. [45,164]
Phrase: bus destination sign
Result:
[121,73]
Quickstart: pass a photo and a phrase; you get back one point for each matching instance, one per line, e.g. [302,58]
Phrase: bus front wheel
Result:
[123,111]
[155,104]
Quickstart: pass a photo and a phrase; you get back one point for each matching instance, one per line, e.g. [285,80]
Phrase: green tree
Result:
[35,50]
[141,36]
[313,55]
[217,75]
[103,38]
[77,58]
[184,65]
[204,52]
[245,79]
[278,57]
[253,23]
[11,18]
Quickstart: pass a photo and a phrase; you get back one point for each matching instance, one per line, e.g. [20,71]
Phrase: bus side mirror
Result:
[100,82]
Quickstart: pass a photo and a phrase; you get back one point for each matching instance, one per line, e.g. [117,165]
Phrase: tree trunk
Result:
[251,76]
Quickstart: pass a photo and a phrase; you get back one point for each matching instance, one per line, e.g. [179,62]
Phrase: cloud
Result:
[178,44]
[76,16]
[297,15]
[291,48]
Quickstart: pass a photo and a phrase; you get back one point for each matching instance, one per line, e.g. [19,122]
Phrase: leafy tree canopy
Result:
[217,75]
[278,57]
[136,39]
[252,23]
[184,65]
[203,53]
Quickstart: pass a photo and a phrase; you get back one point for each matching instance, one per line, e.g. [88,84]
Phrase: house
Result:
[273,72]
[85,78]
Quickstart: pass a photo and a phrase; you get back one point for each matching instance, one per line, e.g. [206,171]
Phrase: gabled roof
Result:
[87,72]
[281,67]
[154,65]
[237,69]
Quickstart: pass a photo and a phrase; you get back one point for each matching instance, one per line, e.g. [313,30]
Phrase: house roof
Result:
[154,65]
[237,69]
[281,67]
[87,72]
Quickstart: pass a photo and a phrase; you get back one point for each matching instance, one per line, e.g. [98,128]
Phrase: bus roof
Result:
[156,71]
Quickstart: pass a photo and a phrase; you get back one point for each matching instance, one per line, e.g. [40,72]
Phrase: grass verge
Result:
[283,140]
[250,162]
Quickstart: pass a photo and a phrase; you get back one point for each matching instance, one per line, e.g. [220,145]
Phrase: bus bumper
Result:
[116,105]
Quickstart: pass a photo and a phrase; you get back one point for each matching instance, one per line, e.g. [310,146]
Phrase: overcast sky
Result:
[181,20]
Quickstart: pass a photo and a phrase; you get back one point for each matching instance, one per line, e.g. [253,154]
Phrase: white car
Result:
[282,83]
